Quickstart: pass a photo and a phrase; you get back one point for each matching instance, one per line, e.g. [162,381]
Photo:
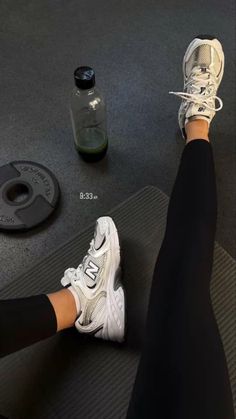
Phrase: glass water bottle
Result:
[88,115]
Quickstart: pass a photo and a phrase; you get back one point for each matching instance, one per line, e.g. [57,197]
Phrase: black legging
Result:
[182,372]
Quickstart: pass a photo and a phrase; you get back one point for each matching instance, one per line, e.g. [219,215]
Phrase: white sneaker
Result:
[97,284]
[203,68]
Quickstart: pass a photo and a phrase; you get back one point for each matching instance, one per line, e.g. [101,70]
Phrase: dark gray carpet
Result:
[136,48]
[72,376]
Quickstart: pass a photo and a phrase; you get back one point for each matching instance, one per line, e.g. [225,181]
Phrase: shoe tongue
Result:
[197,110]
[98,238]
[202,69]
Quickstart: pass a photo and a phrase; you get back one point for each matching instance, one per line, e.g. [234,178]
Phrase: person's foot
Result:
[96,281]
[203,68]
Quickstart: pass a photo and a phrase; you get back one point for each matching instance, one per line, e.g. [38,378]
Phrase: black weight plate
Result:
[29,193]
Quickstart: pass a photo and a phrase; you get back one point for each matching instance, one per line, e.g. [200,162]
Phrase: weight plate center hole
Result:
[18,193]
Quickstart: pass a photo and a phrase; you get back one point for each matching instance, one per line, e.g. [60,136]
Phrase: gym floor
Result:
[136,48]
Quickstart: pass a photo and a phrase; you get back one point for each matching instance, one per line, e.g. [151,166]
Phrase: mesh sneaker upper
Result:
[203,56]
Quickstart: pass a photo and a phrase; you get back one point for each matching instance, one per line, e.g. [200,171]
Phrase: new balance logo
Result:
[92,270]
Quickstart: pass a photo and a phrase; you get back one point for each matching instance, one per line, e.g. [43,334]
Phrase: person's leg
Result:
[93,299]
[24,321]
[182,373]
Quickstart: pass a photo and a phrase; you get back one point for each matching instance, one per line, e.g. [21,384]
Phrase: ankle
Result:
[197,129]
[65,308]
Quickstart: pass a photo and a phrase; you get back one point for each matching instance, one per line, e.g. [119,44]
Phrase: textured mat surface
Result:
[78,377]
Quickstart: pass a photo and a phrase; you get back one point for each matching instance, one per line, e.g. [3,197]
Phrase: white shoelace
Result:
[76,273]
[197,80]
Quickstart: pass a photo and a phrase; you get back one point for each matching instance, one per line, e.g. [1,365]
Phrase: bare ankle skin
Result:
[197,129]
[64,306]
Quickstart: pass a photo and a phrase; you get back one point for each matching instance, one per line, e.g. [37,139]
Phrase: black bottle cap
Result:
[84,77]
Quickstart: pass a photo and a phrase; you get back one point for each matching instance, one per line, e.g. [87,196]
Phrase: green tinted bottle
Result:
[88,116]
